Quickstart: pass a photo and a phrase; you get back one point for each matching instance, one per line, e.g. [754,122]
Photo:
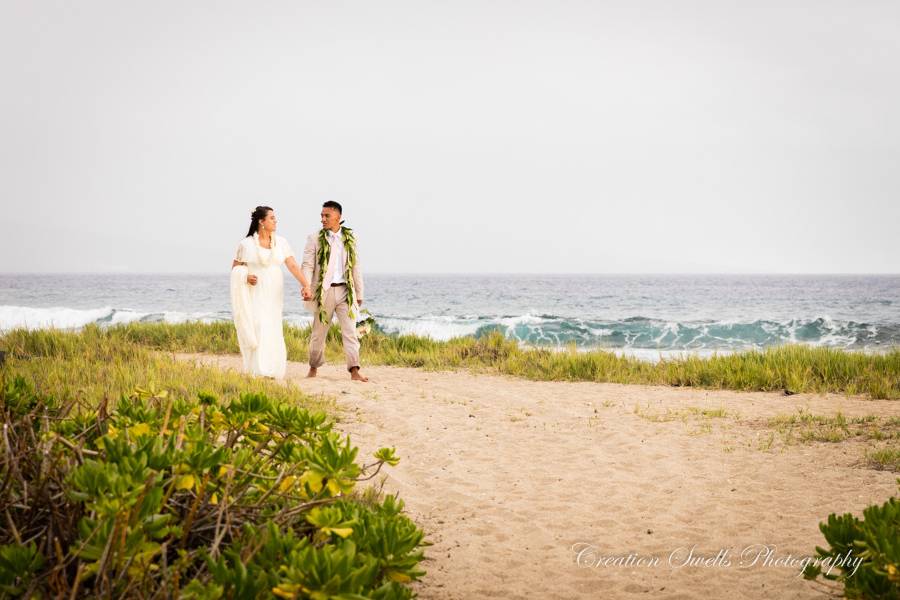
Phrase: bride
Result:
[257,294]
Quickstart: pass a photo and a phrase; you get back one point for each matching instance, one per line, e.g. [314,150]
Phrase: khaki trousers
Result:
[334,301]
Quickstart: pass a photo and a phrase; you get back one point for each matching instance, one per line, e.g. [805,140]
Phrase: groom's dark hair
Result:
[334,205]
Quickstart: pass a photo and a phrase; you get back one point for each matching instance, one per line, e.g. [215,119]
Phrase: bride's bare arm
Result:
[251,279]
[238,261]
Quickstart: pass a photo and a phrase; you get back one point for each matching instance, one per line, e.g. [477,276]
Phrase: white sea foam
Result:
[182,317]
[298,320]
[526,319]
[123,316]
[665,329]
[171,316]
[600,331]
[57,317]
[436,327]
[646,338]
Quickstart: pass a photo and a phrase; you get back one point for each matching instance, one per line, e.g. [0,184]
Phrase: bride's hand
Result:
[306,293]
[251,279]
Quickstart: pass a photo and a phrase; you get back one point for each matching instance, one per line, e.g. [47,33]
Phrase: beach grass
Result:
[789,368]
[879,434]
[101,363]
[884,459]
[683,415]
[804,427]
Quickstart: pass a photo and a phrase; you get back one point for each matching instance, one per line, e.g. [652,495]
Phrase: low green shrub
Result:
[162,497]
[866,552]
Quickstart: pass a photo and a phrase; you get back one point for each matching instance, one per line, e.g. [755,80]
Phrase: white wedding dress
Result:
[257,309]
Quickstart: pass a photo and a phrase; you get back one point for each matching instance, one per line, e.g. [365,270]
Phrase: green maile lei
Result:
[324,254]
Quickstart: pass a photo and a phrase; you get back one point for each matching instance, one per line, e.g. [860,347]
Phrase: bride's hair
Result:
[258,214]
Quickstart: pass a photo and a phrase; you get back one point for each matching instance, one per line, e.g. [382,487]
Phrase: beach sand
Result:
[509,478]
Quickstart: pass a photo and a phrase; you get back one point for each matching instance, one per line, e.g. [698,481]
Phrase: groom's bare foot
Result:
[312,372]
[355,375]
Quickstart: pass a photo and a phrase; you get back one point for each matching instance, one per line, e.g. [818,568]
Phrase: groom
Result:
[331,266]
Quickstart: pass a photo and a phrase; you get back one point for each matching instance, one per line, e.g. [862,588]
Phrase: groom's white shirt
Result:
[334,272]
[335,258]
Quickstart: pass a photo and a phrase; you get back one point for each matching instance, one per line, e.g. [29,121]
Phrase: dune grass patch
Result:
[790,368]
[804,427]
[884,458]
[96,363]
[879,435]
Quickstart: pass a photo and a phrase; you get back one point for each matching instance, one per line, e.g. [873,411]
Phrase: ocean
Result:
[648,316]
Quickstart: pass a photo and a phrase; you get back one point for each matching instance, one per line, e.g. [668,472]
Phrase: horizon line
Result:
[471,274]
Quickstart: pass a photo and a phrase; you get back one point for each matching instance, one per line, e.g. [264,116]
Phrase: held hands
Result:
[306,293]
[251,279]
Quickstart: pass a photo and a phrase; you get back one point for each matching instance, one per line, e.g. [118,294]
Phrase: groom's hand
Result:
[306,293]
[359,301]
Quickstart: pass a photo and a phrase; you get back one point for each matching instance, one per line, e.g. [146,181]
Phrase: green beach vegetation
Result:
[881,435]
[805,427]
[128,474]
[862,554]
[791,368]
[96,364]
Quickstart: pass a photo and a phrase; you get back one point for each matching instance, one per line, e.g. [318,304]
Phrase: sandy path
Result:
[507,475]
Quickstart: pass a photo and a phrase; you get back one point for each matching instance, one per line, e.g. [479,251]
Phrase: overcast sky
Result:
[461,137]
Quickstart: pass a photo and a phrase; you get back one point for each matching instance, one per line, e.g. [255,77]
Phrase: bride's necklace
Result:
[265,258]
